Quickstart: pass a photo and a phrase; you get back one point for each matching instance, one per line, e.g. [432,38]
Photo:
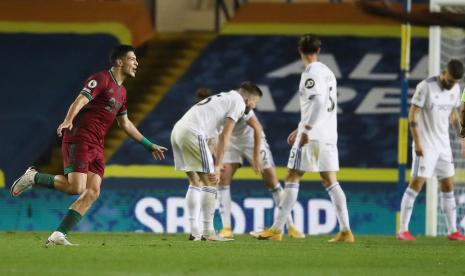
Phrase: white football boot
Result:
[24,182]
[58,238]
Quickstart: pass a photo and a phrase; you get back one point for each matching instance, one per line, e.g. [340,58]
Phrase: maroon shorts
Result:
[82,157]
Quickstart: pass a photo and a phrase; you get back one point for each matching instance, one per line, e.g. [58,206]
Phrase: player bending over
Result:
[203,121]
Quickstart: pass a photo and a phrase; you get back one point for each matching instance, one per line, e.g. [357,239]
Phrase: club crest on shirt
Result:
[92,84]
[309,83]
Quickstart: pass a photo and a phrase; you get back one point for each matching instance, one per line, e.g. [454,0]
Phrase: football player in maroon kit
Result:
[89,117]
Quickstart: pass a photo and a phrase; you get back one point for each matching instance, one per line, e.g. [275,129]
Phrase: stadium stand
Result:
[49,55]
[39,91]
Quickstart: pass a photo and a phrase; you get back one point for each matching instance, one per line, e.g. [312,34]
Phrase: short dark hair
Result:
[120,51]
[455,69]
[251,88]
[202,93]
[309,44]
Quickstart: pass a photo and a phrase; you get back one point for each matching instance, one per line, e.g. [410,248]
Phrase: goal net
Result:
[446,43]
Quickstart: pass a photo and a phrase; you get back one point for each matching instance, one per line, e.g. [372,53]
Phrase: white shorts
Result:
[432,163]
[243,148]
[190,150]
[314,157]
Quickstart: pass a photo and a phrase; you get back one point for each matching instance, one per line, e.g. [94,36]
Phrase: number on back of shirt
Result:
[207,100]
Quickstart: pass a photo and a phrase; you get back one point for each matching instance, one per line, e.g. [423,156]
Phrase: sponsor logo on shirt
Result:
[445,107]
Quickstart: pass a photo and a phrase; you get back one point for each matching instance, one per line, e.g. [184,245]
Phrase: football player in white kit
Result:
[248,141]
[189,137]
[433,104]
[314,142]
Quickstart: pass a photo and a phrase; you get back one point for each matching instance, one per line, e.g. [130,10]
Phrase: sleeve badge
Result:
[92,84]
[309,83]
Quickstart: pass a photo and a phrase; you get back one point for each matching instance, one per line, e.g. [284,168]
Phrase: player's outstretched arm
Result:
[412,119]
[73,110]
[257,131]
[125,124]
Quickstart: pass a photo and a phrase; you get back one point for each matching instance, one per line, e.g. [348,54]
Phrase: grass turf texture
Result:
[23,253]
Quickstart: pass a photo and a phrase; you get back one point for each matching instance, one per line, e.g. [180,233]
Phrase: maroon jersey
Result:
[107,100]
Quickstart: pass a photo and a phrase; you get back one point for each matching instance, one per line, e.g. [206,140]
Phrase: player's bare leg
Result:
[74,184]
[193,204]
[289,198]
[224,198]
[338,198]
[208,205]
[90,194]
[406,207]
[448,206]
[77,209]
[273,185]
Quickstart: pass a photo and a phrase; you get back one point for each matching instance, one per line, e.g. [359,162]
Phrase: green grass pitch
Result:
[23,253]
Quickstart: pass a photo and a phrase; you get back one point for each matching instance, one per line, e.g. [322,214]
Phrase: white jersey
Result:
[242,129]
[436,106]
[318,79]
[207,117]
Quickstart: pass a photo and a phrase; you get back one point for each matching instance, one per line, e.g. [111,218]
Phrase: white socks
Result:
[224,198]
[449,208]
[193,208]
[277,194]
[208,204]
[340,203]
[288,200]
[406,208]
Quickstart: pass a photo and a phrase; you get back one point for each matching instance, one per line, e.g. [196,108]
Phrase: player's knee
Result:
[93,194]
[326,183]
[416,183]
[292,177]
[224,181]
[76,188]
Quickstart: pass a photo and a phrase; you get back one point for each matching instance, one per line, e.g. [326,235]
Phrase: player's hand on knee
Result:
[68,125]
[291,138]
[257,166]
[214,178]
[158,152]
